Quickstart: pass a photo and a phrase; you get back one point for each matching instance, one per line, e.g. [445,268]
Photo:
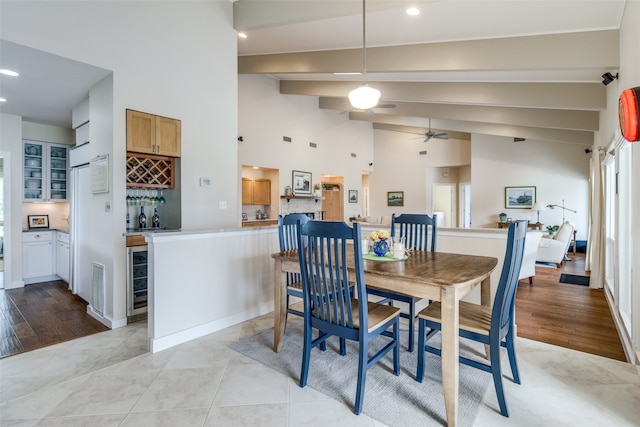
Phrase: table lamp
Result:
[538,207]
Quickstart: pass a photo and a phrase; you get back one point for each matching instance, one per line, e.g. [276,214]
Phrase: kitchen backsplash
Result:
[58,213]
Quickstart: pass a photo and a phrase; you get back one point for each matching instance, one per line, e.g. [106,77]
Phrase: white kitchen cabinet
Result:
[62,255]
[38,256]
[45,174]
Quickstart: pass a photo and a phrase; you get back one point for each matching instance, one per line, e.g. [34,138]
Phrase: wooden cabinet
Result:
[151,134]
[37,256]
[263,223]
[62,256]
[256,191]
[45,168]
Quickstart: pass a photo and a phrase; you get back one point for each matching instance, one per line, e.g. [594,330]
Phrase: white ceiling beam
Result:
[533,117]
[582,138]
[585,50]
[574,96]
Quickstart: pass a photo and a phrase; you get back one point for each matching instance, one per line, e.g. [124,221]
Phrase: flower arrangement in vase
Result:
[380,241]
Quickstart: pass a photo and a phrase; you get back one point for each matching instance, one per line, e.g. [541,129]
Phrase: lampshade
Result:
[537,207]
[364,97]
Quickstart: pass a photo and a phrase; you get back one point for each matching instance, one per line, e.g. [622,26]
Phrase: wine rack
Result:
[149,171]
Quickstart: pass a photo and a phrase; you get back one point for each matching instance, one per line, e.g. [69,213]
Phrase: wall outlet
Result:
[223,204]
[107,206]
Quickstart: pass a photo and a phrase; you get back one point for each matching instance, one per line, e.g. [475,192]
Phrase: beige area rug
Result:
[394,401]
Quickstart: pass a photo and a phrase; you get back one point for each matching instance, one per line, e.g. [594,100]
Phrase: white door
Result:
[465,205]
[79,221]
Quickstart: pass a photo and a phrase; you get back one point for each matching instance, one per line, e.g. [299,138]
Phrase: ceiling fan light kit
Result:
[364,97]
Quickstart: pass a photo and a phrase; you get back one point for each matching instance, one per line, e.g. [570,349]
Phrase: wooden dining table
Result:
[438,276]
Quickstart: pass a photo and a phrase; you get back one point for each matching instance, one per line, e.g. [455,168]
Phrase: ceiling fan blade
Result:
[385,106]
[440,136]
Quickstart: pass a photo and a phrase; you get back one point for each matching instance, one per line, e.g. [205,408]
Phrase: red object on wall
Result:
[628,113]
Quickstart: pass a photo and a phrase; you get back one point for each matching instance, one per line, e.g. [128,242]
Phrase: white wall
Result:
[176,59]
[265,117]
[398,166]
[629,76]
[11,146]
[558,171]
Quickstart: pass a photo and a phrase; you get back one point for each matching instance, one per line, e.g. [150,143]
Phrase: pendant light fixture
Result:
[364,97]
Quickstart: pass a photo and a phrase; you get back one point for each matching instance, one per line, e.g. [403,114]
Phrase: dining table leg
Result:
[449,301]
[279,303]
[485,299]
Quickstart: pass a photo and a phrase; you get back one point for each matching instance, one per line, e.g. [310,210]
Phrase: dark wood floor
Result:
[571,316]
[42,314]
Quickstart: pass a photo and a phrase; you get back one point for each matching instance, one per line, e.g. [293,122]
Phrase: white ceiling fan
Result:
[370,111]
[433,135]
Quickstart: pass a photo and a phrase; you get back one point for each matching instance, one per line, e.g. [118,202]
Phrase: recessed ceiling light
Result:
[9,72]
[3,100]
[413,11]
[242,35]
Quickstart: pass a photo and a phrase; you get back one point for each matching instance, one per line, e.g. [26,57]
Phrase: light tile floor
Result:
[108,379]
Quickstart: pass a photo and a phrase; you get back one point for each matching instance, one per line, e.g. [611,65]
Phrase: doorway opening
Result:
[445,204]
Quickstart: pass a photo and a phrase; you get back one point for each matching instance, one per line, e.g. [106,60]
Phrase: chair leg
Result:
[531,280]
[421,351]
[511,352]
[396,350]
[306,355]
[497,378]
[362,375]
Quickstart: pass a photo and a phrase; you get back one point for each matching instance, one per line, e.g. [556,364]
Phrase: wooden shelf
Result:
[302,197]
[149,171]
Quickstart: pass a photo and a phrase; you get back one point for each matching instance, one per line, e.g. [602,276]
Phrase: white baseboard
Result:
[627,345]
[163,343]
[109,323]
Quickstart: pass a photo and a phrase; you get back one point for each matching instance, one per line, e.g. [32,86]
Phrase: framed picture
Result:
[395,198]
[38,221]
[301,182]
[353,196]
[519,197]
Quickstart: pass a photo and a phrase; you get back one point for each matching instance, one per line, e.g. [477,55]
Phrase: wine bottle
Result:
[142,218]
[155,219]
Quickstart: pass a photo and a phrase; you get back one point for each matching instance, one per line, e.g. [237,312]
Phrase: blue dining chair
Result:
[330,305]
[288,238]
[491,326]
[415,229]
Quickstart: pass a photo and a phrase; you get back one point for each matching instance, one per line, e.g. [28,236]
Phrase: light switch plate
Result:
[205,182]
[223,204]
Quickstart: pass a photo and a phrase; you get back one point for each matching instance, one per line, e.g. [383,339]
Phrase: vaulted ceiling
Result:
[517,68]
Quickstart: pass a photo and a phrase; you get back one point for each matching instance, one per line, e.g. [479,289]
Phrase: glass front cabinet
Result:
[45,172]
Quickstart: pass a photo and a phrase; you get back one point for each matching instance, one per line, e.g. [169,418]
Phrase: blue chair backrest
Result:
[324,257]
[415,229]
[288,230]
[504,302]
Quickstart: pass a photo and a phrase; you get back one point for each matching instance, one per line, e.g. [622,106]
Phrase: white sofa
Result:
[528,269]
[555,248]
[375,220]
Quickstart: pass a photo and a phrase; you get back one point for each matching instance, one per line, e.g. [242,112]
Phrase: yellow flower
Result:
[379,235]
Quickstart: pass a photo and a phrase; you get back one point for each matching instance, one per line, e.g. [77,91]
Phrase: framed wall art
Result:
[519,197]
[353,196]
[38,221]
[395,198]
[301,182]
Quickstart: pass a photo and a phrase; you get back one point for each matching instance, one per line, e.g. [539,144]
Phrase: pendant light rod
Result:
[364,97]
[364,41]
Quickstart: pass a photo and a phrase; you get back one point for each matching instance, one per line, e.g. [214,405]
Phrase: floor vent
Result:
[97,288]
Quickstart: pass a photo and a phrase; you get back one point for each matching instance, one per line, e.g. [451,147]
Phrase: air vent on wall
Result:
[313,145]
[286,139]
[353,155]
[422,153]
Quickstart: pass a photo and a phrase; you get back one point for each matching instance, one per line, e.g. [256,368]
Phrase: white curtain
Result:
[594,261]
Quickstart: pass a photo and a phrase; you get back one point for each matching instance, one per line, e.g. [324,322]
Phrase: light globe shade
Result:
[364,97]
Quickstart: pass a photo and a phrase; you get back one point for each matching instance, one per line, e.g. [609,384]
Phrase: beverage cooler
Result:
[137,280]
